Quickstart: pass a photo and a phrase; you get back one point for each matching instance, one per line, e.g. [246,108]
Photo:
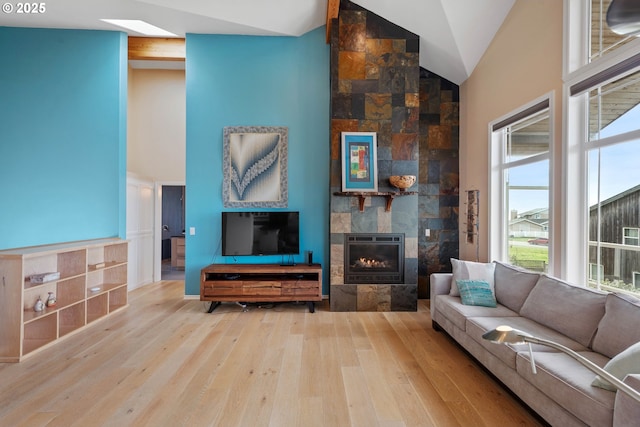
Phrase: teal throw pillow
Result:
[476,292]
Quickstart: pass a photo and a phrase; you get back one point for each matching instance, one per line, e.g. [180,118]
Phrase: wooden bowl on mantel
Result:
[402,182]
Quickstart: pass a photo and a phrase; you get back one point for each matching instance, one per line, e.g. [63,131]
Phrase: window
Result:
[595,271]
[613,181]
[601,220]
[520,182]
[614,195]
[630,236]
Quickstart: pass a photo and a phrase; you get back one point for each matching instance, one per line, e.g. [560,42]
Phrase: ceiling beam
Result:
[156,48]
[333,7]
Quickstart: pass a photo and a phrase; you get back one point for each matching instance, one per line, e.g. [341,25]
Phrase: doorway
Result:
[173,240]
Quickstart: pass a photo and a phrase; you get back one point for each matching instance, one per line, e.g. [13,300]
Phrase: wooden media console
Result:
[261,283]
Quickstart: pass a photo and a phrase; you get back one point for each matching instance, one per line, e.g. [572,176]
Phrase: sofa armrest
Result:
[440,285]
[626,410]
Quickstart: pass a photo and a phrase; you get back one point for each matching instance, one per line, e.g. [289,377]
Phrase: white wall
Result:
[523,62]
[140,229]
[156,153]
[156,143]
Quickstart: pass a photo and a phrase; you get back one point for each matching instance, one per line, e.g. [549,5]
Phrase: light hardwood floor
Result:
[164,361]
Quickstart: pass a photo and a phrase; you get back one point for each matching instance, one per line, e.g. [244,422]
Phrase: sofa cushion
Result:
[476,292]
[569,309]
[477,326]
[465,270]
[627,362]
[513,284]
[453,309]
[618,329]
[568,383]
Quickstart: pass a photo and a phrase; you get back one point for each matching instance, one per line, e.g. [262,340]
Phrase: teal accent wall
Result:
[256,81]
[63,97]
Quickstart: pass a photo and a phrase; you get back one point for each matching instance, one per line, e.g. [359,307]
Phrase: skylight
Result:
[140,27]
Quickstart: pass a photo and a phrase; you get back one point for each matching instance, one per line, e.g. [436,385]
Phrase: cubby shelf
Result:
[362,196]
[82,266]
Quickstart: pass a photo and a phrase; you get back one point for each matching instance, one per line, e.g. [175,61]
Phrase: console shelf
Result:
[261,283]
[83,266]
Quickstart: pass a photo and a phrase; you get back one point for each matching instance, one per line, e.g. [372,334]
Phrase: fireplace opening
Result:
[374,258]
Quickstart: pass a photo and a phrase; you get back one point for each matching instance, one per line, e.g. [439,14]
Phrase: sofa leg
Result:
[435,326]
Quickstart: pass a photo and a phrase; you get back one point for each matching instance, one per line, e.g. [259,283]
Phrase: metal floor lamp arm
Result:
[589,365]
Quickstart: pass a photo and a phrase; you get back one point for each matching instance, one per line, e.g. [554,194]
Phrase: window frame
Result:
[498,215]
[626,238]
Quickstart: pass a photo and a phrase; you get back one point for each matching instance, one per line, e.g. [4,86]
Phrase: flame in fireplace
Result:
[370,263]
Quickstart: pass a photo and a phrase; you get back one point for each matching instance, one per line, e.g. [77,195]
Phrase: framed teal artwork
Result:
[359,162]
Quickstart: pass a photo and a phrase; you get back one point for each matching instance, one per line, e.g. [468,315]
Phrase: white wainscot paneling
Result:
[140,205]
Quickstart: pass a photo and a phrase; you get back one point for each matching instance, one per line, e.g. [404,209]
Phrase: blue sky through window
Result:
[619,164]
[535,174]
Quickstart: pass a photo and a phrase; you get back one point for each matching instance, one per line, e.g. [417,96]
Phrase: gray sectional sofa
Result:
[597,325]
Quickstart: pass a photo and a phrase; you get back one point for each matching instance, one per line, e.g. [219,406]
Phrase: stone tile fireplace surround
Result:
[375,81]
[378,86]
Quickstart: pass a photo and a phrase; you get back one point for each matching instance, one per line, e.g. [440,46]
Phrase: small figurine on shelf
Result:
[39,305]
[51,301]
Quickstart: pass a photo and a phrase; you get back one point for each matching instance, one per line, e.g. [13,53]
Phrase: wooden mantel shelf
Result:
[362,196]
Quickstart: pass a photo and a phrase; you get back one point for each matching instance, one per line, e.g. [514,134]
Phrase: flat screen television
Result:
[260,233]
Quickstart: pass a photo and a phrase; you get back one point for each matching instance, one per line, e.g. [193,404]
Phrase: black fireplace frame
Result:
[377,276]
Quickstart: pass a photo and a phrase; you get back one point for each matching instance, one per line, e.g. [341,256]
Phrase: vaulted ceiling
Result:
[453,34]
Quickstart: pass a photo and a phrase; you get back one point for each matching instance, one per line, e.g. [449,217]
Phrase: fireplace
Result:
[372,258]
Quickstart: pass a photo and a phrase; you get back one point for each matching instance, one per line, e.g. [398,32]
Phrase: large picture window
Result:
[602,186]
[613,186]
